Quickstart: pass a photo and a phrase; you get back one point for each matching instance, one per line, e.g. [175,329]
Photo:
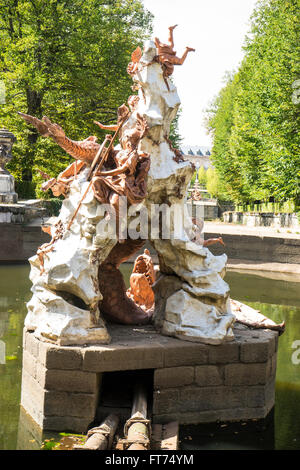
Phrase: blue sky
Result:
[216,29]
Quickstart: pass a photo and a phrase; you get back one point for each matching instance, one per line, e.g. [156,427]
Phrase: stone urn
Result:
[7,182]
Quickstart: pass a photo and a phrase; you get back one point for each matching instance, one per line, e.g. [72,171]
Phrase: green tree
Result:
[254,120]
[220,121]
[202,175]
[65,59]
[212,182]
[175,136]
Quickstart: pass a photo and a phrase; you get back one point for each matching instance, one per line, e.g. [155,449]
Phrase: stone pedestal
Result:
[192,382]
[7,182]
[7,189]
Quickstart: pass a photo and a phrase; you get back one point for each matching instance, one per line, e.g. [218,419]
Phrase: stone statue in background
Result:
[7,182]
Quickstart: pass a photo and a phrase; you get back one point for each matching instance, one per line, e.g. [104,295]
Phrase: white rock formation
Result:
[64,306]
[199,310]
[192,300]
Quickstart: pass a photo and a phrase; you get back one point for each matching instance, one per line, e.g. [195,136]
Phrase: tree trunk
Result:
[34,108]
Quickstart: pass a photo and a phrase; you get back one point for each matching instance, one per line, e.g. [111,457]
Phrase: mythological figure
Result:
[167,55]
[113,173]
[124,171]
[141,281]
[199,239]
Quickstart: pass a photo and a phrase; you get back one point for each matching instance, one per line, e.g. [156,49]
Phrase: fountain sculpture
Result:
[77,285]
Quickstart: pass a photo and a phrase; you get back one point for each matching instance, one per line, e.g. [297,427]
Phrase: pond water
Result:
[277,299]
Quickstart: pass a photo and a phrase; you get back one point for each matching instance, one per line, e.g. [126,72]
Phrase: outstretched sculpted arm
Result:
[112,127]
[84,150]
[116,171]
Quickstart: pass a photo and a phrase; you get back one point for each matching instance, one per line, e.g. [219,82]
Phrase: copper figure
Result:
[178,155]
[135,58]
[84,150]
[127,177]
[116,305]
[61,185]
[141,281]
[166,54]
[199,235]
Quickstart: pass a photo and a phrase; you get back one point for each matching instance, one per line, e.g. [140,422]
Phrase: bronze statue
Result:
[128,175]
[124,171]
[61,185]
[135,58]
[116,305]
[199,236]
[113,173]
[141,281]
[178,155]
[84,150]
[196,195]
[166,54]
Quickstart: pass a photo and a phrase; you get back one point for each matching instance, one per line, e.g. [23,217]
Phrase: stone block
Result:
[195,417]
[32,397]
[66,423]
[256,396]
[246,374]
[208,375]
[60,357]
[272,364]
[81,405]
[173,377]
[224,353]
[211,398]
[183,353]
[67,380]
[166,401]
[192,381]
[258,346]
[270,394]
[110,358]
[242,414]
[31,344]
[29,363]
[276,343]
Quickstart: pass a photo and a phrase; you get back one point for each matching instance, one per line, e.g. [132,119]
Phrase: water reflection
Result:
[30,435]
[14,293]
[276,299]
[250,435]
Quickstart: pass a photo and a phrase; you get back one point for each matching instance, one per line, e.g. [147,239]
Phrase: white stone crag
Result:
[200,309]
[64,306]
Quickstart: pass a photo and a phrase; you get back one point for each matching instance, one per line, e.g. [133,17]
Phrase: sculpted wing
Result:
[136,55]
[37,123]
[84,150]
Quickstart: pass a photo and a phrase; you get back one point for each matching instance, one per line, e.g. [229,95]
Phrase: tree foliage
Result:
[255,119]
[174,135]
[202,175]
[66,59]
